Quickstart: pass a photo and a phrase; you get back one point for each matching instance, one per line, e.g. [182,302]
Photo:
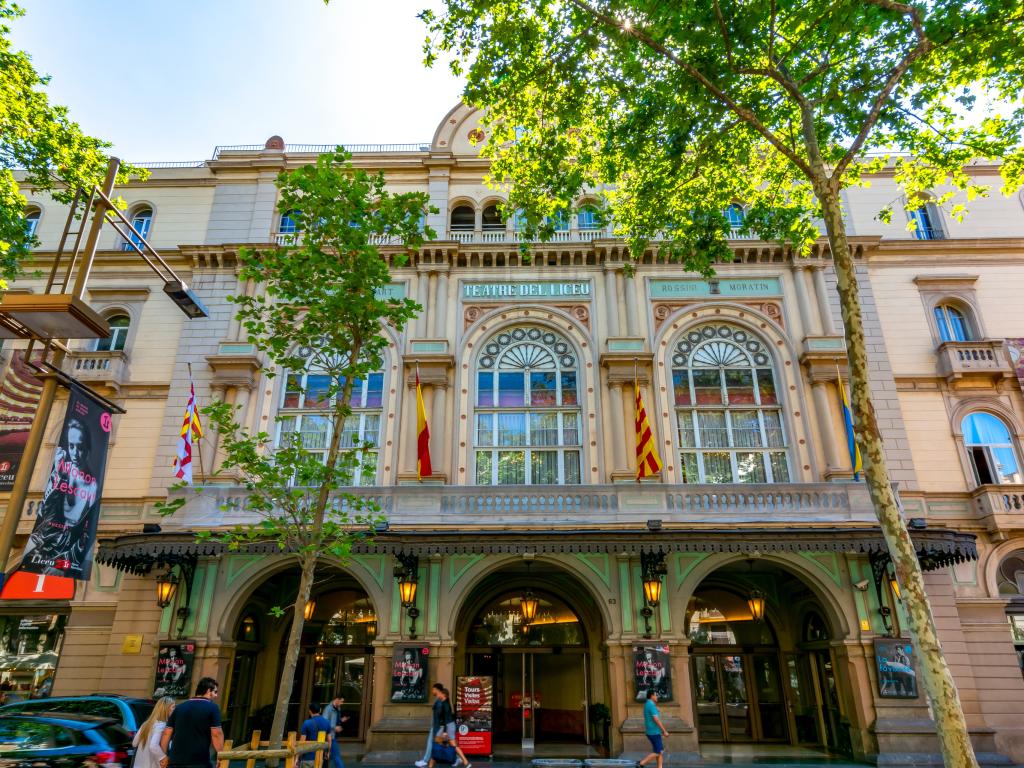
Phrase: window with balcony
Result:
[32,222]
[588,218]
[463,219]
[735,215]
[491,219]
[115,342]
[560,221]
[142,220]
[527,428]
[728,408]
[289,223]
[305,415]
[952,324]
[925,220]
[991,449]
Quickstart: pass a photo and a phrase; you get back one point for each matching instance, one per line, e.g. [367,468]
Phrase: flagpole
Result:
[199,440]
[636,388]
[419,394]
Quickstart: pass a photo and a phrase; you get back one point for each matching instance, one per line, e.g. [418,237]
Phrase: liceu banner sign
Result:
[61,543]
[528,290]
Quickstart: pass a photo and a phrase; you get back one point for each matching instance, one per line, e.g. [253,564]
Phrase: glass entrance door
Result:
[345,675]
[739,697]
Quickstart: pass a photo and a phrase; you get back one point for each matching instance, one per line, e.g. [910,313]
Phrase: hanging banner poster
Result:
[474,700]
[651,669]
[19,397]
[174,668]
[894,662]
[409,674]
[62,541]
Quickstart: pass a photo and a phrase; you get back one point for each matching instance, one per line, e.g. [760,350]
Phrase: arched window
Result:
[32,222]
[118,334]
[735,215]
[527,409]
[926,222]
[1010,577]
[588,218]
[501,622]
[289,223]
[990,446]
[305,409]
[463,219]
[728,408]
[951,323]
[491,220]
[560,221]
[142,220]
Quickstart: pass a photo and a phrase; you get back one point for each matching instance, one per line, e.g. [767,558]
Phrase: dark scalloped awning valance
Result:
[936,548]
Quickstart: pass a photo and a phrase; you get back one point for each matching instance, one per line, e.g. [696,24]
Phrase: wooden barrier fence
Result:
[292,751]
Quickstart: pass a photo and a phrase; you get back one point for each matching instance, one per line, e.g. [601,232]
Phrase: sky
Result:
[170,79]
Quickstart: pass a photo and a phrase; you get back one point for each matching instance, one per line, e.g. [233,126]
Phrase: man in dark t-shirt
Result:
[193,728]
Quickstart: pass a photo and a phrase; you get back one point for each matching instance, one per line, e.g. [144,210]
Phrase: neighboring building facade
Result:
[528,372]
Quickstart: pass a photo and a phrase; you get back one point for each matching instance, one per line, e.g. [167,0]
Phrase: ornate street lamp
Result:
[408,575]
[528,605]
[756,603]
[166,588]
[652,570]
[894,585]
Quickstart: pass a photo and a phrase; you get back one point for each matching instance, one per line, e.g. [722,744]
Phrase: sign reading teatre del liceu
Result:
[530,290]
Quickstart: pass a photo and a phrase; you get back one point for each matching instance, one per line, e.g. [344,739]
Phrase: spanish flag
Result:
[648,464]
[851,436]
[423,468]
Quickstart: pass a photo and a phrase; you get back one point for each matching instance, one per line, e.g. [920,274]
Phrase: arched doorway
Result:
[535,631]
[335,659]
[761,661]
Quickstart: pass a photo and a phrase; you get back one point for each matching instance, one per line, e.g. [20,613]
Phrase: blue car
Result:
[54,740]
[127,712]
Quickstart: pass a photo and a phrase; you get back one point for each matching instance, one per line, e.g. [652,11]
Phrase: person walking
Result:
[437,690]
[448,728]
[654,729]
[332,712]
[146,741]
[311,729]
[193,729]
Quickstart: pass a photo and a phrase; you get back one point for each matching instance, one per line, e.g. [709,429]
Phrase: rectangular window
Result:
[746,429]
[485,389]
[713,432]
[484,468]
[314,432]
[511,467]
[292,391]
[569,396]
[570,429]
[374,390]
[350,433]
[689,466]
[368,471]
[572,467]
[485,429]
[707,387]
[681,387]
[717,467]
[543,429]
[766,387]
[511,389]
[371,429]
[317,386]
[780,467]
[687,436]
[543,388]
[512,429]
[544,467]
[776,438]
[740,387]
[750,468]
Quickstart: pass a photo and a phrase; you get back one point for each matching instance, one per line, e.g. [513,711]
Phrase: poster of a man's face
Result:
[894,662]
[409,674]
[651,670]
[61,543]
[174,668]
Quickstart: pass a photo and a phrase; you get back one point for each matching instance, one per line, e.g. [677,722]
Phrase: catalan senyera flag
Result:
[191,429]
[423,468]
[851,436]
[648,464]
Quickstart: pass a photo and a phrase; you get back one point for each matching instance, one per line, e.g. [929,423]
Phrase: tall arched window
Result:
[926,222]
[951,323]
[305,409]
[491,219]
[289,223]
[735,215]
[728,408]
[588,217]
[32,222]
[527,409]
[463,219]
[118,334]
[142,220]
[990,446]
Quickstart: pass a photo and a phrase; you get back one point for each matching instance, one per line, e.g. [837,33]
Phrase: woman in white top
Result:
[147,741]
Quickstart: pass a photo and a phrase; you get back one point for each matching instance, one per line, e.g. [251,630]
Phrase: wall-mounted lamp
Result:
[894,585]
[880,572]
[652,570]
[408,575]
[166,589]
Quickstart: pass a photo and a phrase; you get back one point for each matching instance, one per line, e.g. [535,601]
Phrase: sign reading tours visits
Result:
[531,290]
[474,701]
[62,540]
[731,287]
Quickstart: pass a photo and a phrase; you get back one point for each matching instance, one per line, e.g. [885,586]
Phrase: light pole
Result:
[14,312]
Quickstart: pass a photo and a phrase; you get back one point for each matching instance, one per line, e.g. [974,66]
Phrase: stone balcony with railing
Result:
[1000,508]
[108,368]
[576,507]
[969,363]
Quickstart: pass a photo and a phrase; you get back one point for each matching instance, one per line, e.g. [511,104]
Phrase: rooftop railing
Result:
[321,148]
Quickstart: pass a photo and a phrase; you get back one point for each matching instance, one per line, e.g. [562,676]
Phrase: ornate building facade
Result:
[776,623]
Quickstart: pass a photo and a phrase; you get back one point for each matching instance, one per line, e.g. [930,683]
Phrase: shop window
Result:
[951,323]
[991,449]
[501,622]
[492,219]
[30,647]
[115,342]
[142,220]
[728,408]
[926,222]
[527,420]
[32,222]
[463,219]
[305,415]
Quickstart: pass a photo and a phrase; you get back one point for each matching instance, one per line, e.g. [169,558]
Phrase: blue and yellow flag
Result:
[851,436]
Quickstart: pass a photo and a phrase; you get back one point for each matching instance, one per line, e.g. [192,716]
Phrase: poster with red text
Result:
[474,702]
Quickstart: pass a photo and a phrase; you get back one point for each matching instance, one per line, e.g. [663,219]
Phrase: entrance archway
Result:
[540,656]
[335,659]
[761,661]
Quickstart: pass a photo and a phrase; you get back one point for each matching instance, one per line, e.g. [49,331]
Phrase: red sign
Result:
[34,586]
[474,699]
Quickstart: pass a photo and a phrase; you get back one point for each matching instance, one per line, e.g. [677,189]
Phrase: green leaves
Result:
[41,141]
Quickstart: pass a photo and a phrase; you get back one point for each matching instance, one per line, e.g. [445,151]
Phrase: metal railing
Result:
[423,146]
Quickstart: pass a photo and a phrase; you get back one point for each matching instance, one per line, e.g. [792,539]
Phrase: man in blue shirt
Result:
[332,713]
[193,729]
[654,730]
[313,726]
